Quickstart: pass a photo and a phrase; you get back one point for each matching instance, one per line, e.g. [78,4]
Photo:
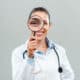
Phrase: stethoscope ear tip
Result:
[60,70]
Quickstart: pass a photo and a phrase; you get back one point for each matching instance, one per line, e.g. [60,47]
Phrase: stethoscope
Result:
[60,69]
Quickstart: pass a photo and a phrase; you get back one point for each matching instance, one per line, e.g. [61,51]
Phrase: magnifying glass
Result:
[35,23]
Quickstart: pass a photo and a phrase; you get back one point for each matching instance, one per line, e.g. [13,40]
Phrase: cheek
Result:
[46,30]
[45,33]
[46,27]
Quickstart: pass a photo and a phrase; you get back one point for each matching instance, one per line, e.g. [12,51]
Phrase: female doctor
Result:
[40,58]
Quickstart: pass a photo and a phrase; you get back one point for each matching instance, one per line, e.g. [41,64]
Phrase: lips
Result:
[41,32]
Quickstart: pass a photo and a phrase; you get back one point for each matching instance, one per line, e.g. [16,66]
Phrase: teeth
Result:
[39,32]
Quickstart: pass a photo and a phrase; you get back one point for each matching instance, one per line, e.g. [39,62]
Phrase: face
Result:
[42,33]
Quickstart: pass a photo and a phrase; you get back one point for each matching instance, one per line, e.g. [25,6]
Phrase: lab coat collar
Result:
[49,43]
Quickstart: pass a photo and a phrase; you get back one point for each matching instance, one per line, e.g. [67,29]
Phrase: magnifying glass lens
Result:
[35,23]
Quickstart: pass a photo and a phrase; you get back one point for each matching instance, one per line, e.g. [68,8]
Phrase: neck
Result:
[43,46]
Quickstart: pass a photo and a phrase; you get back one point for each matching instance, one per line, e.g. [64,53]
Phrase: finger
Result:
[32,37]
[33,46]
[33,42]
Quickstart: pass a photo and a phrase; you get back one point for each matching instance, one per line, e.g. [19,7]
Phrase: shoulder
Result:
[17,52]
[58,47]
[18,48]
[61,52]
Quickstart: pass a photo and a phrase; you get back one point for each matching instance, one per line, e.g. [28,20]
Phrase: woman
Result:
[40,58]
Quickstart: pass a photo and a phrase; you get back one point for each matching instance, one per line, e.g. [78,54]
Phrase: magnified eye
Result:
[35,22]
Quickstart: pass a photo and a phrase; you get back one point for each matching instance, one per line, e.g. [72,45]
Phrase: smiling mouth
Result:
[40,33]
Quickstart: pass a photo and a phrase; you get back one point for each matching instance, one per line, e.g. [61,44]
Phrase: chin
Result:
[40,38]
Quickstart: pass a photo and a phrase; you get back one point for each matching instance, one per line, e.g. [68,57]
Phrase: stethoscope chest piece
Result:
[60,70]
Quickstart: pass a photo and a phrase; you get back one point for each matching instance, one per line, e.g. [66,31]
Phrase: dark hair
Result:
[42,9]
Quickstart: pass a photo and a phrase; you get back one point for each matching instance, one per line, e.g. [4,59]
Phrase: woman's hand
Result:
[32,46]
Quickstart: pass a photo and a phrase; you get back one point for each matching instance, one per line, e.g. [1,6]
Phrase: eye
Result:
[45,22]
[35,21]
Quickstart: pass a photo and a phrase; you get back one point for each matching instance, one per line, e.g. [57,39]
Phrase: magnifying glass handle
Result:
[34,33]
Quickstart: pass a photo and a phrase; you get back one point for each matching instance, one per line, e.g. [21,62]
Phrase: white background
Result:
[65,16]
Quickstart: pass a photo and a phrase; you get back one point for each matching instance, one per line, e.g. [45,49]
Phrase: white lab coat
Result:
[44,66]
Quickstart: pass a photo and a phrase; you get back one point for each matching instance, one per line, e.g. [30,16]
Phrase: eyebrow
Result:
[40,17]
[45,21]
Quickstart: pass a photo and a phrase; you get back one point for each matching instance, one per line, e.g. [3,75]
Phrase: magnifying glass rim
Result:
[34,17]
